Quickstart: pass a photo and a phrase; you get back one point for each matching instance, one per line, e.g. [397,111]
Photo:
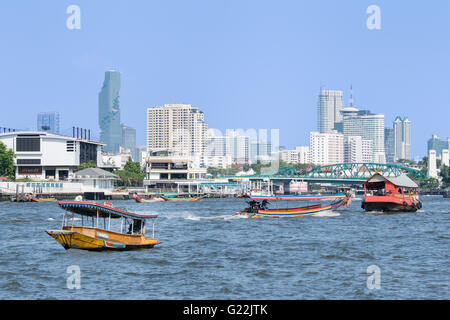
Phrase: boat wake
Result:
[190,216]
[327,214]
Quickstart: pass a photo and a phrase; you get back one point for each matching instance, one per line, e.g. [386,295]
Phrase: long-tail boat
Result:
[255,211]
[301,197]
[42,198]
[90,236]
[147,198]
[178,198]
[391,194]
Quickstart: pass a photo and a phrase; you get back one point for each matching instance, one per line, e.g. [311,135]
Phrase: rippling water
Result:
[206,253]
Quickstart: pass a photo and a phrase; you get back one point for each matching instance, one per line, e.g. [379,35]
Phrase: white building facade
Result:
[326,148]
[48,156]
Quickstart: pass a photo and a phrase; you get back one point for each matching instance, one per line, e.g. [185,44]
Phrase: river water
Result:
[207,253]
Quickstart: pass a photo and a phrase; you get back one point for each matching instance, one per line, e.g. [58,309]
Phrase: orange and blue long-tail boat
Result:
[300,197]
[254,211]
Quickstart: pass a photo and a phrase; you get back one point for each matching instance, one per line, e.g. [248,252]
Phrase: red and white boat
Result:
[391,194]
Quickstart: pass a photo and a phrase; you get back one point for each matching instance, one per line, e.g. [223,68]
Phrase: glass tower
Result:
[48,122]
[109,112]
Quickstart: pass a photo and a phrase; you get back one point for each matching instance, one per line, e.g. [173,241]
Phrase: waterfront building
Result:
[328,109]
[432,170]
[358,150]
[129,141]
[164,170]
[116,161]
[298,156]
[445,158]
[109,112]
[389,145]
[49,156]
[326,148]
[95,180]
[367,125]
[438,145]
[48,122]
[177,128]
[402,138]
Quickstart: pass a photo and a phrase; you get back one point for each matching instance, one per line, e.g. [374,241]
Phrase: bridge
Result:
[344,173]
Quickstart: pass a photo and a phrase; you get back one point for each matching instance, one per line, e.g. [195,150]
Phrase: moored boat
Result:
[181,198]
[391,194]
[42,198]
[92,237]
[147,199]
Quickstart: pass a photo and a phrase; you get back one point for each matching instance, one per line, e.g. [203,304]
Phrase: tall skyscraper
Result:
[48,122]
[402,138]
[389,145]
[109,112]
[367,125]
[129,141]
[177,128]
[329,109]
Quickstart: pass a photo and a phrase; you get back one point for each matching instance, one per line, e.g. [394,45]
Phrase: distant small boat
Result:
[181,198]
[147,199]
[95,238]
[41,198]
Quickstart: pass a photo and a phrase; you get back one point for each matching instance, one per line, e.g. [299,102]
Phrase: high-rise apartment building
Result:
[367,125]
[177,128]
[109,112]
[438,145]
[260,150]
[402,138]
[389,145]
[326,148]
[298,156]
[329,109]
[358,150]
[48,122]
[238,147]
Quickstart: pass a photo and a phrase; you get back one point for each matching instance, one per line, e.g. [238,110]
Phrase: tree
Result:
[445,174]
[131,175]
[86,165]
[6,162]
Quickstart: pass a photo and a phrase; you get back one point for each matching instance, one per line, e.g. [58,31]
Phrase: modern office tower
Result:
[129,141]
[238,147]
[389,145]
[48,122]
[402,138]
[326,148]
[298,156]
[445,158]
[432,170]
[109,112]
[438,145]
[367,125]
[177,128]
[260,150]
[358,150]
[328,109]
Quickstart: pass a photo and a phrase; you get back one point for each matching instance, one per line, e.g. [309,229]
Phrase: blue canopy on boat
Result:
[92,209]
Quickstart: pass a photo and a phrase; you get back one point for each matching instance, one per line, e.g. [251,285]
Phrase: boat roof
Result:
[87,208]
[400,181]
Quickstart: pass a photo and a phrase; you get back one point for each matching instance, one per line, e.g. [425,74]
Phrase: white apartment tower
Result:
[358,150]
[177,128]
[326,148]
[329,109]
[402,138]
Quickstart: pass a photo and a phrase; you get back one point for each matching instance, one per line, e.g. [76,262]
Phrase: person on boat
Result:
[264,204]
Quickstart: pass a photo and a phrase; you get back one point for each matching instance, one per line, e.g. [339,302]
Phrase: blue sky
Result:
[246,64]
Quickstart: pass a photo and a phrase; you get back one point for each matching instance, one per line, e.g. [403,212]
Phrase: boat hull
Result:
[94,239]
[388,207]
[141,200]
[181,199]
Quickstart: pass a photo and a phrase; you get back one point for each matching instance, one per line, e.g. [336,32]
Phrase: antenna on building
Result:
[351,96]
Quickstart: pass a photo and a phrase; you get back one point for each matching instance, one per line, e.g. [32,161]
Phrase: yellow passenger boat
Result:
[89,235]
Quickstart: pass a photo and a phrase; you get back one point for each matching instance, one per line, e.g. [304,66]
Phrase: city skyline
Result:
[268,80]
